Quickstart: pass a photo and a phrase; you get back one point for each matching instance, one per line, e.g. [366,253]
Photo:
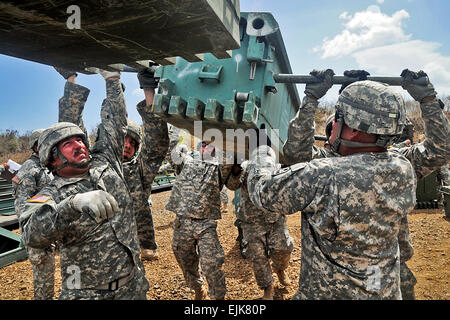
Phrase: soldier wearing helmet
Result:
[87,208]
[143,152]
[30,178]
[354,198]
[145,149]
[195,199]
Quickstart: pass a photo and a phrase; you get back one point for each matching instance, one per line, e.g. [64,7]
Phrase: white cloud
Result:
[380,1]
[415,55]
[379,45]
[365,29]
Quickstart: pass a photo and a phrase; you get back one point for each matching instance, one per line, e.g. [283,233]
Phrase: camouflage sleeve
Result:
[300,139]
[434,151]
[404,240]
[71,105]
[155,143]
[230,180]
[287,190]
[174,138]
[113,127]
[45,222]
[23,189]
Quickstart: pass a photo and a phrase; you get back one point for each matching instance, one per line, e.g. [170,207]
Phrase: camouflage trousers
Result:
[265,242]
[195,241]
[43,265]
[135,289]
[407,282]
[224,195]
[145,228]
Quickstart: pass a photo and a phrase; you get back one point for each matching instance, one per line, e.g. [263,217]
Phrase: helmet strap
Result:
[65,163]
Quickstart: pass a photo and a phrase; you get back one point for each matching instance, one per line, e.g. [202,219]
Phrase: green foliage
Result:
[12,143]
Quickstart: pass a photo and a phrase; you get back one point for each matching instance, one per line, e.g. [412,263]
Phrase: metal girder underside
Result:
[118,31]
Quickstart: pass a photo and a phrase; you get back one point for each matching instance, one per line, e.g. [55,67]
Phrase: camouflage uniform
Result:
[344,198]
[140,171]
[174,138]
[31,178]
[224,195]
[93,255]
[195,199]
[266,235]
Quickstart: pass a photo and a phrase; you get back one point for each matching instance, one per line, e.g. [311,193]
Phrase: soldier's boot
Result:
[149,255]
[200,293]
[268,293]
[283,278]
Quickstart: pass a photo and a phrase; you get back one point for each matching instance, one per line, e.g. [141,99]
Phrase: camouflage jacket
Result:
[426,156]
[354,208]
[30,178]
[140,172]
[71,104]
[248,212]
[196,191]
[93,253]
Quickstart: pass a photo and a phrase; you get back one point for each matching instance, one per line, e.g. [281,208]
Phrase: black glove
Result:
[147,79]
[358,74]
[417,91]
[320,88]
[65,73]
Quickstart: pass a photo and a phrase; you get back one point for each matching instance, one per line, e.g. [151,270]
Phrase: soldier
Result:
[31,178]
[354,204]
[224,200]
[178,156]
[142,154]
[140,169]
[87,207]
[195,199]
[267,238]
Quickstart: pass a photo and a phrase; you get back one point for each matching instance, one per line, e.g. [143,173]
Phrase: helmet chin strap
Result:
[382,141]
[81,165]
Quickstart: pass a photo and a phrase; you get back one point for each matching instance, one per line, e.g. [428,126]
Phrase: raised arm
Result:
[299,146]
[113,126]
[434,151]
[71,105]
[155,138]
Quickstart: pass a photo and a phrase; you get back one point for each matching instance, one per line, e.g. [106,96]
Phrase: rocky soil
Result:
[430,232]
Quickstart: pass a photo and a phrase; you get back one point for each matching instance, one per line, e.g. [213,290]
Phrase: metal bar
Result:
[300,78]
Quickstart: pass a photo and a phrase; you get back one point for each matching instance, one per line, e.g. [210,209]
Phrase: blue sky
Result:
[382,37]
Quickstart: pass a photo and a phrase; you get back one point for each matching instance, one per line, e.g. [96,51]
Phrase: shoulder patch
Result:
[39,199]
[16,179]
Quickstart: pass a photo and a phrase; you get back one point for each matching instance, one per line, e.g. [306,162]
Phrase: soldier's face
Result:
[76,152]
[74,149]
[129,148]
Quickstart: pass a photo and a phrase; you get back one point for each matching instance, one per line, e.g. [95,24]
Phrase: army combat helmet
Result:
[50,138]
[370,107]
[34,137]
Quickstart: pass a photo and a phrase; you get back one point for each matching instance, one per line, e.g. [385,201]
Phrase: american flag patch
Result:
[16,179]
[39,199]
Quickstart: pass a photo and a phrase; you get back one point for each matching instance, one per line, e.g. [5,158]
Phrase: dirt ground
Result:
[430,232]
